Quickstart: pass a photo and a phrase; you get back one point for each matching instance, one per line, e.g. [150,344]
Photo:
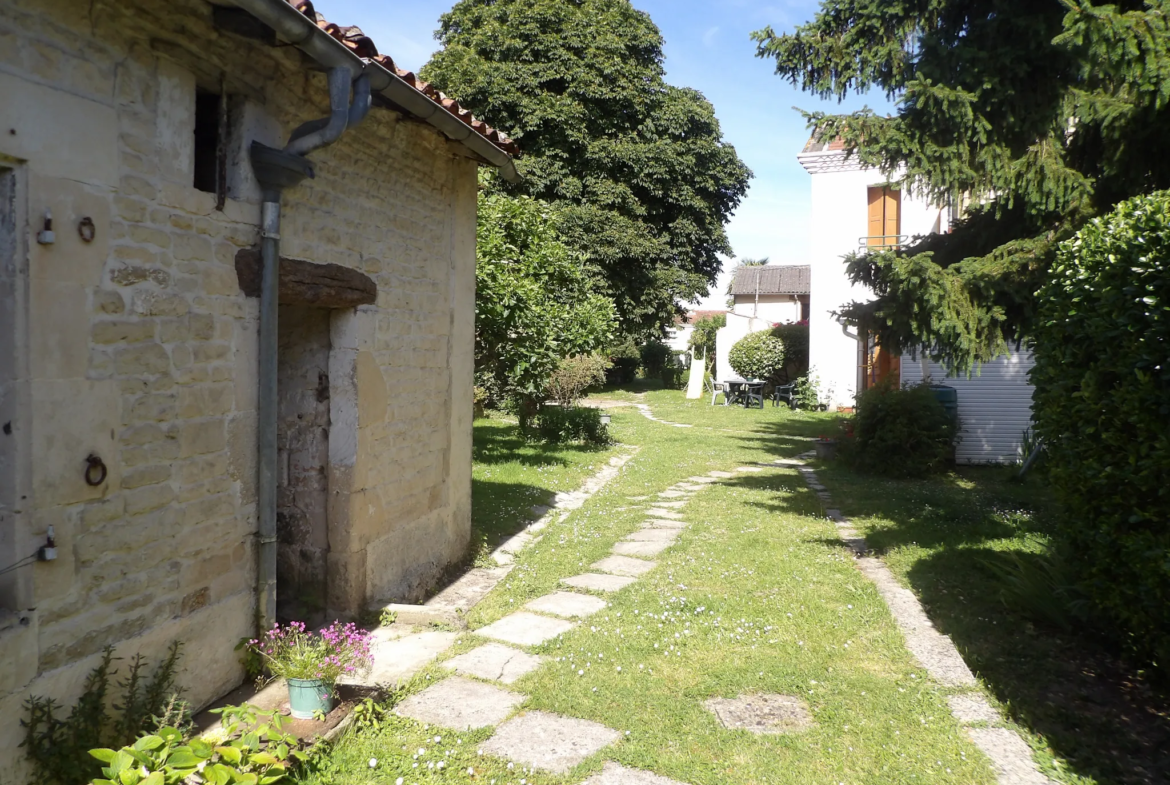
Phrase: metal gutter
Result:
[300,31]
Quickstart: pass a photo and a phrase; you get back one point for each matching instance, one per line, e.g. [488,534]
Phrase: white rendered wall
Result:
[995,406]
[726,337]
[840,218]
[775,308]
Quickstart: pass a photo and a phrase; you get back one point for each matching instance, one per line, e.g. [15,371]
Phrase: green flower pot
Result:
[306,697]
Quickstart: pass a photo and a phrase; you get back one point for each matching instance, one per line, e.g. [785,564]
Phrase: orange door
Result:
[885,216]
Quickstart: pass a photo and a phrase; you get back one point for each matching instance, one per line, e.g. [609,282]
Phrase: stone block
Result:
[624,565]
[202,436]
[65,434]
[525,629]
[667,534]
[495,662]
[549,742]
[123,331]
[641,549]
[567,604]
[598,582]
[767,713]
[460,704]
[616,774]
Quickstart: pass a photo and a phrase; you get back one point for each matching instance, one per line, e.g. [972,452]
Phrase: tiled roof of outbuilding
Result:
[772,279]
[363,46]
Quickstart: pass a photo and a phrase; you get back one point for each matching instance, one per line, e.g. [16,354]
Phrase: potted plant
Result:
[312,662]
[826,448]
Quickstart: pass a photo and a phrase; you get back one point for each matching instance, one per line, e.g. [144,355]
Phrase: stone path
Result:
[535,738]
[1010,755]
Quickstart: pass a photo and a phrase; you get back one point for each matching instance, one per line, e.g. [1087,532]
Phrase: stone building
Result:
[130,349]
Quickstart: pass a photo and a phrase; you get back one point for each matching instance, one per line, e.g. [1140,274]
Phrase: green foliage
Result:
[1041,114]
[534,305]
[1102,406]
[759,355]
[703,338]
[900,432]
[656,357]
[562,425]
[639,168]
[574,376]
[59,748]
[806,393]
[795,338]
[1041,586]
[625,360]
[251,748]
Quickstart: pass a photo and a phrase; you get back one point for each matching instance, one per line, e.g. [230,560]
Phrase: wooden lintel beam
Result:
[307,283]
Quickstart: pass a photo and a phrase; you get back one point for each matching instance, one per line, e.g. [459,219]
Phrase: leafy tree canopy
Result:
[1034,114]
[534,304]
[644,182]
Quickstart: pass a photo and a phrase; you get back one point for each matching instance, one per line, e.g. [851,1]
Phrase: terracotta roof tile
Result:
[363,46]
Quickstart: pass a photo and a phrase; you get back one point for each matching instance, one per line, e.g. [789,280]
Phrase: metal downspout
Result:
[277,170]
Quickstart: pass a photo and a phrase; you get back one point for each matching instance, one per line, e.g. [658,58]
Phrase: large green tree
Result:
[1034,115]
[644,182]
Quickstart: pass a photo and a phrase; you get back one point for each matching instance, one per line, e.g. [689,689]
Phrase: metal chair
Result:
[785,392]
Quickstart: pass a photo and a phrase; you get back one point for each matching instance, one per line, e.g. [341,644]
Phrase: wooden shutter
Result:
[892,203]
[877,213]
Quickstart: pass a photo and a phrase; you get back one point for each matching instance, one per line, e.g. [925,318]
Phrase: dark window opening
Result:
[207,146]
[805,310]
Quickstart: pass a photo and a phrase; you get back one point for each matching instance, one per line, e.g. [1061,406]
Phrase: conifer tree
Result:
[637,168]
[1033,115]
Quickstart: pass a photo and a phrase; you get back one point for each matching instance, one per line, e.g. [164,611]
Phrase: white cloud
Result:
[709,37]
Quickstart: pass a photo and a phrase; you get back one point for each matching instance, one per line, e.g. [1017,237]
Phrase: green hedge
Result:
[900,432]
[1102,405]
[757,356]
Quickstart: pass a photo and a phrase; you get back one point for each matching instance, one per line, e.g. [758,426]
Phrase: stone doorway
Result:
[303,427]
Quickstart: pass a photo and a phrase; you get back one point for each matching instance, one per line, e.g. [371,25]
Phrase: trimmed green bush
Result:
[900,432]
[564,424]
[795,338]
[574,376]
[1102,406]
[758,356]
[625,362]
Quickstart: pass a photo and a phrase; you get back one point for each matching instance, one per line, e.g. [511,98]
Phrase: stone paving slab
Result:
[702,479]
[460,704]
[672,494]
[642,549]
[592,581]
[1011,757]
[666,523]
[767,713]
[653,534]
[721,475]
[496,662]
[396,661]
[550,742]
[567,604]
[624,565]
[617,774]
[669,505]
[689,487]
[748,469]
[525,629]
[659,512]
[973,707]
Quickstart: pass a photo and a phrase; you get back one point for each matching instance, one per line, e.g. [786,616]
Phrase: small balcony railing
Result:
[881,241]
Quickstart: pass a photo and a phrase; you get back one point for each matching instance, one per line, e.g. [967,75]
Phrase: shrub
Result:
[574,376]
[625,362]
[900,432]
[806,393]
[560,425]
[758,356]
[250,747]
[795,339]
[1102,406]
[59,747]
[702,340]
[656,357]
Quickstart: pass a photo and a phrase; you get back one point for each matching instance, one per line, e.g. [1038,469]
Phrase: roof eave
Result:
[300,31]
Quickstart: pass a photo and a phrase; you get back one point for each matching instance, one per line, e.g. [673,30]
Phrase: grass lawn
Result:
[1092,719]
[510,476]
[756,596]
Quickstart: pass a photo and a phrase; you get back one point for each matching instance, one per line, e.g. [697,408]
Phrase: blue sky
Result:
[707,48]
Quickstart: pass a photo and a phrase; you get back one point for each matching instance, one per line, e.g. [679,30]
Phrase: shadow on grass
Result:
[1093,709]
[496,441]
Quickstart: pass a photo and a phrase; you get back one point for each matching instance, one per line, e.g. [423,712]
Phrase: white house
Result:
[761,297]
[854,208]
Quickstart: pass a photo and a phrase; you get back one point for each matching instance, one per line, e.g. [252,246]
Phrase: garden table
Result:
[748,393]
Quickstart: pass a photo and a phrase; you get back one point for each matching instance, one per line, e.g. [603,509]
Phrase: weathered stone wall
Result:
[139,347]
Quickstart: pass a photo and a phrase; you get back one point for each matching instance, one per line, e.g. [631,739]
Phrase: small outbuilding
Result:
[236,340]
